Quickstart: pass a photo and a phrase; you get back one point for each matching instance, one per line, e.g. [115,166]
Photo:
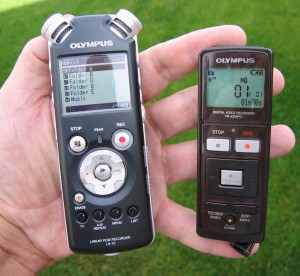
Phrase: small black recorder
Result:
[235,95]
[100,131]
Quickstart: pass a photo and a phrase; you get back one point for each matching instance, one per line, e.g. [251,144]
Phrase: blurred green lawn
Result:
[273,24]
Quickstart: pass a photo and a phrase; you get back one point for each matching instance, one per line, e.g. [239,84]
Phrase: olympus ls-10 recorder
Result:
[100,131]
[235,95]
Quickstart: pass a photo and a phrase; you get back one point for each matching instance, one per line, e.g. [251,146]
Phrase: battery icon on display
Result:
[257,72]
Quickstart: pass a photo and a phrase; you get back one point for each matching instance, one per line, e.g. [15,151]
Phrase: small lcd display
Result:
[94,83]
[235,87]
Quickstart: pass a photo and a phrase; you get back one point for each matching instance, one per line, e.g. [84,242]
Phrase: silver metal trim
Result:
[125,24]
[54,26]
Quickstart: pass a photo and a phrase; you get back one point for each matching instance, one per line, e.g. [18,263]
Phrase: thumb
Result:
[30,79]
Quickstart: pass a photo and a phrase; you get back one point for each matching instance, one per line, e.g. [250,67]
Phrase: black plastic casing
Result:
[109,235]
[223,212]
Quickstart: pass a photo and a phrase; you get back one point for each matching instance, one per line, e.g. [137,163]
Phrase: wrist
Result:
[18,255]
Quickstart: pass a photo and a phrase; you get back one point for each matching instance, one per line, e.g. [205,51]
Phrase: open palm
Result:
[30,200]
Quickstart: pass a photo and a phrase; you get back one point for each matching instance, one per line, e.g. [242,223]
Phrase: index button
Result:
[216,206]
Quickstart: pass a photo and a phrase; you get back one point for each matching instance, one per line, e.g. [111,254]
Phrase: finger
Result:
[180,161]
[177,156]
[171,60]
[278,81]
[174,114]
[30,74]
[179,223]
[282,140]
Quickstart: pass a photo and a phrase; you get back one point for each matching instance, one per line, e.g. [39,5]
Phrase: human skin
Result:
[32,228]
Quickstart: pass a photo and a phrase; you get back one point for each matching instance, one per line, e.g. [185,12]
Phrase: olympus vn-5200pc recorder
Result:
[100,131]
[235,92]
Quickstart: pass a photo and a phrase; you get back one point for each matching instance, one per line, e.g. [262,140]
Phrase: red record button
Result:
[247,146]
[122,139]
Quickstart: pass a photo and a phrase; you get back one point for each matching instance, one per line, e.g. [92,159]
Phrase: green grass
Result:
[273,24]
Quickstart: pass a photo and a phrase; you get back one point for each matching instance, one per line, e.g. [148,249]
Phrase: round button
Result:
[81,217]
[98,215]
[115,213]
[122,139]
[77,144]
[103,172]
[133,211]
[79,198]
[230,220]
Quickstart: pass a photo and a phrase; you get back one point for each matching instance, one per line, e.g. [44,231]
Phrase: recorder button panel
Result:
[103,172]
[240,145]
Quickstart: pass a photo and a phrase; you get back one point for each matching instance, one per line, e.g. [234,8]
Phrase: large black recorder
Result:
[100,131]
[235,92]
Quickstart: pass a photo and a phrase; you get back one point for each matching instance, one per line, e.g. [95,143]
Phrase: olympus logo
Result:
[235,60]
[92,44]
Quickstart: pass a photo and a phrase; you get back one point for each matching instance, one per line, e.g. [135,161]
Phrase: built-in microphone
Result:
[124,24]
[56,28]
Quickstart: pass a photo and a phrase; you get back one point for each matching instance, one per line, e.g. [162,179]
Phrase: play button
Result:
[103,172]
[231,178]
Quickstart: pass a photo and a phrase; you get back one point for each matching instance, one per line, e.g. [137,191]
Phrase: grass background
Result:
[273,24]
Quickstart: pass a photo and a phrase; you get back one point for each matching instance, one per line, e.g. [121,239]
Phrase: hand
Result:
[32,223]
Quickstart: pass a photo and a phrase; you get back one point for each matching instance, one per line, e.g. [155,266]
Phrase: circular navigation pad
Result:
[103,172]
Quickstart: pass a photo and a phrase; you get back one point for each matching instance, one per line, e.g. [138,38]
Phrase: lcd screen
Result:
[235,87]
[94,83]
